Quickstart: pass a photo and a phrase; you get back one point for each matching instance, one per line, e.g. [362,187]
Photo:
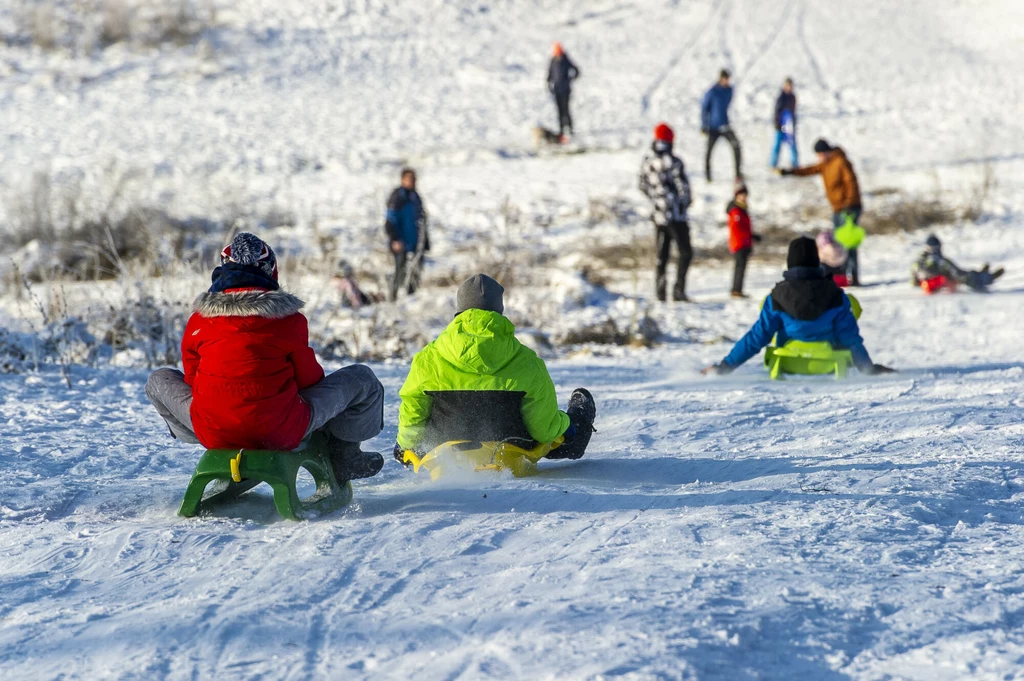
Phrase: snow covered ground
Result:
[727,528]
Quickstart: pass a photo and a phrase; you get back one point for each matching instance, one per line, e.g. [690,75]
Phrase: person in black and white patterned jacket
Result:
[663,181]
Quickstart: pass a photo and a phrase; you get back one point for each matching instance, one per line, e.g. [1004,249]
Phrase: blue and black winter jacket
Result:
[714,110]
[785,102]
[406,219]
[808,307]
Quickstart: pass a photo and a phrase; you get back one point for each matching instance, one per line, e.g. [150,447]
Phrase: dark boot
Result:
[350,462]
[660,289]
[582,411]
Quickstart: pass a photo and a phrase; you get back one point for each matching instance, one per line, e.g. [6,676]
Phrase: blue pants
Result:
[781,138]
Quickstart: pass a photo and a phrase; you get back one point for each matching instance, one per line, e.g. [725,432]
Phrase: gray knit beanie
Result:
[480,292]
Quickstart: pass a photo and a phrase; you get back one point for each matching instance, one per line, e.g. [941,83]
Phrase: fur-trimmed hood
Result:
[266,304]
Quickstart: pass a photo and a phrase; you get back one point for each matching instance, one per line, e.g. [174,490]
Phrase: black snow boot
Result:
[350,462]
[582,411]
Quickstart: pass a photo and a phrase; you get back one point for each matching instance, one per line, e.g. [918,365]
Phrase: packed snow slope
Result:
[728,528]
[719,528]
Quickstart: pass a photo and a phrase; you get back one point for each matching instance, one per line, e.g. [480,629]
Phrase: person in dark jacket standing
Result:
[806,306]
[561,74]
[663,181]
[785,123]
[714,117]
[406,227]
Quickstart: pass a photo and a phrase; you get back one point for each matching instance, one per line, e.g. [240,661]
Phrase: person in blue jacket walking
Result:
[714,121]
[805,306]
[785,123]
[406,227]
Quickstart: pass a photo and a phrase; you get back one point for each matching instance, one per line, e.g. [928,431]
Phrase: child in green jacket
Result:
[477,382]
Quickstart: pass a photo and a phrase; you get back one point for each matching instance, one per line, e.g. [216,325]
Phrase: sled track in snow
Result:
[801,34]
[767,43]
[688,48]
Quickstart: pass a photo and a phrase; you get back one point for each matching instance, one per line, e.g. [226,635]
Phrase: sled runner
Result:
[799,357]
[467,455]
[235,472]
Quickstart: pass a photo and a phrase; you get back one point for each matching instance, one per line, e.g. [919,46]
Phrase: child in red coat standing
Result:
[741,238]
[250,378]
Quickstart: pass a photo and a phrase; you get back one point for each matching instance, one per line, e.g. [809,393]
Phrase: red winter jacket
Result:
[740,234]
[246,355]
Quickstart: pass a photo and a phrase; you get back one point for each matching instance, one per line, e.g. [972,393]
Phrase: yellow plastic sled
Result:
[799,357]
[467,455]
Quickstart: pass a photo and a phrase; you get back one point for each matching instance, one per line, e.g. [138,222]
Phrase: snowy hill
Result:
[728,528]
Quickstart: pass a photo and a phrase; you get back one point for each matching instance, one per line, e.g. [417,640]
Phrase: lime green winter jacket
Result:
[478,351]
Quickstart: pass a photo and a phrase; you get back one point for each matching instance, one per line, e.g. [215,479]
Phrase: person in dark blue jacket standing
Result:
[561,74]
[785,123]
[714,117]
[406,227]
[805,306]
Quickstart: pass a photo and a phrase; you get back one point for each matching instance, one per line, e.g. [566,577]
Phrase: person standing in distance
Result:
[785,123]
[714,116]
[842,191]
[406,228]
[561,74]
[663,181]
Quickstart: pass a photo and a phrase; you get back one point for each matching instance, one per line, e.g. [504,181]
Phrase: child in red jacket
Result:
[250,378]
[741,238]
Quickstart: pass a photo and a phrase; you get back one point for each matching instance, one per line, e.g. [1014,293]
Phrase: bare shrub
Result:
[115,22]
[44,25]
[640,332]
[616,209]
[974,209]
[908,215]
[87,24]
[150,325]
[97,232]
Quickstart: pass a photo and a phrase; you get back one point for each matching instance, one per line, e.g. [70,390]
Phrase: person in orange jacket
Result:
[741,238]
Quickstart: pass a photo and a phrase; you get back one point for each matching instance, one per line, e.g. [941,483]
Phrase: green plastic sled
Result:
[238,471]
[799,357]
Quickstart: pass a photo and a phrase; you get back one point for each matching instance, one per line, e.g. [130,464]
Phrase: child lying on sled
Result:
[805,306]
[933,270]
[250,379]
[477,382]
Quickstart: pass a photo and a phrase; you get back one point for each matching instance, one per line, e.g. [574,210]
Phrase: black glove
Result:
[400,454]
[757,238]
[881,369]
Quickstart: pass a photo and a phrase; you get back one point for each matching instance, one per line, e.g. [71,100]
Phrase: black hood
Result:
[806,294]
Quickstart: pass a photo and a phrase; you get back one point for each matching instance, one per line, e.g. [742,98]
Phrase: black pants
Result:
[564,117]
[853,261]
[680,233]
[407,273]
[738,274]
[730,137]
[853,267]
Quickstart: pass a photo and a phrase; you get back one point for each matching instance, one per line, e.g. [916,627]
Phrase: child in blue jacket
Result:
[805,306]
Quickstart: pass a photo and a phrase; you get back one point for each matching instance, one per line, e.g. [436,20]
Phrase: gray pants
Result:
[348,403]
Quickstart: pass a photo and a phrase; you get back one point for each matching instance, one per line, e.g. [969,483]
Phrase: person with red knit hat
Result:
[561,75]
[663,180]
[250,379]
